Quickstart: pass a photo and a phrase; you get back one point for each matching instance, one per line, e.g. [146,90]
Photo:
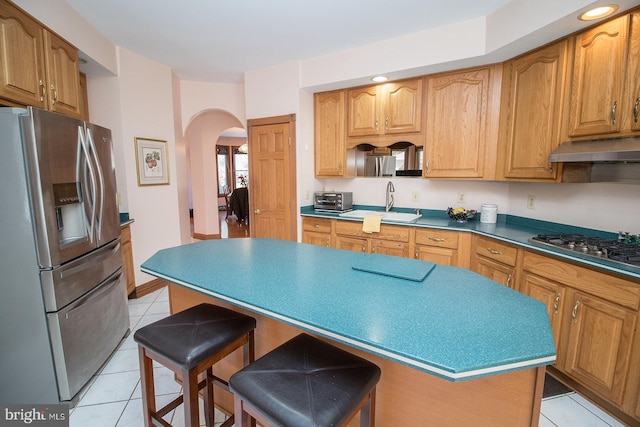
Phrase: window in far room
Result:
[233,168]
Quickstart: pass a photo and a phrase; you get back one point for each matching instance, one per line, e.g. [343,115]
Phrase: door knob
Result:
[257,211]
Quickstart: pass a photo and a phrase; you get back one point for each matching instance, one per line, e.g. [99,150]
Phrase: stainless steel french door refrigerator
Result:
[63,307]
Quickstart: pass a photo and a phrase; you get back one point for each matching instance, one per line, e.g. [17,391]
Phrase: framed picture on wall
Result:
[152,161]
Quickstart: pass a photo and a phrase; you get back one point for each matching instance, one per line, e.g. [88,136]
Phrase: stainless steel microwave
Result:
[333,201]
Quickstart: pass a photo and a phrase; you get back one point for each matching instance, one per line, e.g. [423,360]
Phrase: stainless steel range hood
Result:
[608,150]
[607,160]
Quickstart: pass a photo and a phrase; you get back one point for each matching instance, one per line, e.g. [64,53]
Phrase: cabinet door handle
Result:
[494,252]
[257,211]
[316,225]
[636,107]
[55,94]
[416,254]
[574,312]
[386,122]
[509,281]
[373,249]
[556,303]
[435,239]
[426,166]
[364,248]
[613,112]
[327,245]
[42,90]
[376,123]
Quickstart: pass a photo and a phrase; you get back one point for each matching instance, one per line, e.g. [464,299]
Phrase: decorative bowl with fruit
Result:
[461,214]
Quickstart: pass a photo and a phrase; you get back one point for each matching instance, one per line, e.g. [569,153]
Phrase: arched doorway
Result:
[201,136]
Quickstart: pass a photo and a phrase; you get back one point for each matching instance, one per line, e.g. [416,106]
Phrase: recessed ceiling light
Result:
[379,79]
[598,12]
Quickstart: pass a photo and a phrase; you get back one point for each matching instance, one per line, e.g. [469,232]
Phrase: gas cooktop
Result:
[625,250]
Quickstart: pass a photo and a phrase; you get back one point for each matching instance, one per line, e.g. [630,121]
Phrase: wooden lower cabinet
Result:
[390,240]
[127,258]
[594,322]
[552,294]
[495,260]
[598,344]
[317,231]
[439,246]
[390,247]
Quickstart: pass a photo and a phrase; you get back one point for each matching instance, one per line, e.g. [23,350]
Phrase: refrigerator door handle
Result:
[94,152]
[84,164]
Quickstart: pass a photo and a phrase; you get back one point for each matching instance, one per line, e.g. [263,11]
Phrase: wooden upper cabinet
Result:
[330,150]
[533,96]
[21,57]
[403,106]
[364,111]
[631,118]
[63,75]
[599,78]
[38,68]
[463,108]
[386,109]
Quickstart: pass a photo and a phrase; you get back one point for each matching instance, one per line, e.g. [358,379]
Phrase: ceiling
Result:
[219,40]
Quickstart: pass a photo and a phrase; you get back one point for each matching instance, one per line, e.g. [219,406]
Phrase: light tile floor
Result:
[113,399]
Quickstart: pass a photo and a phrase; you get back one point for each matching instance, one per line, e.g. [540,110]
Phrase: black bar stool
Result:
[190,343]
[305,382]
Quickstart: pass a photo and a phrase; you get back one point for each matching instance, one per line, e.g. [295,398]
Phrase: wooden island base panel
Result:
[405,396]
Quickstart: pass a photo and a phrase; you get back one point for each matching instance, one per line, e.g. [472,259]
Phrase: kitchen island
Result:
[455,348]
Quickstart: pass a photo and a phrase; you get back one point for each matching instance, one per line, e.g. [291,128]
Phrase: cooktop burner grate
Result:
[614,250]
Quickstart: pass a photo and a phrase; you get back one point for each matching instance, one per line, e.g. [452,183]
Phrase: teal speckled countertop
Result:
[454,324]
[511,229]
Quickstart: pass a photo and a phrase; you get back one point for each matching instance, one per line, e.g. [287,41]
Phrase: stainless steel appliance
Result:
[610,160]
[379,165]
[325,201]
[624,250]
[64,308]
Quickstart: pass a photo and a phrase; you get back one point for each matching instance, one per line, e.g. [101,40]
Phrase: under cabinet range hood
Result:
[607,160]
[606,150]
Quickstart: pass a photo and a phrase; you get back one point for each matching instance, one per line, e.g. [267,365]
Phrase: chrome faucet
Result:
[389,196]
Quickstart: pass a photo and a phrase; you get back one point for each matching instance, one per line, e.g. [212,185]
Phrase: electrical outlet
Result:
[462,198]
[531,202]
[306,195]
[415,196]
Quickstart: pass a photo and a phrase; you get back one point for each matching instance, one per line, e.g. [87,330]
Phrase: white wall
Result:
[146,109]
[197,97]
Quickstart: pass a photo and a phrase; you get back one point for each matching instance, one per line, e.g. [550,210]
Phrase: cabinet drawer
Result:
[319,225]
[495,250]
[439,238]
[387,232]
[605,286]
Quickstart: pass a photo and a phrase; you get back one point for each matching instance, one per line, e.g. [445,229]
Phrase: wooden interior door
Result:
[272,186]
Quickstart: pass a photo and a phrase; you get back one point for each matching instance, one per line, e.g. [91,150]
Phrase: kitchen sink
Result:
[386,216]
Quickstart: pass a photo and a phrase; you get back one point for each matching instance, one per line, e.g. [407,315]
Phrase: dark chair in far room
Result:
[240,204]
[305,382]
[190,343]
